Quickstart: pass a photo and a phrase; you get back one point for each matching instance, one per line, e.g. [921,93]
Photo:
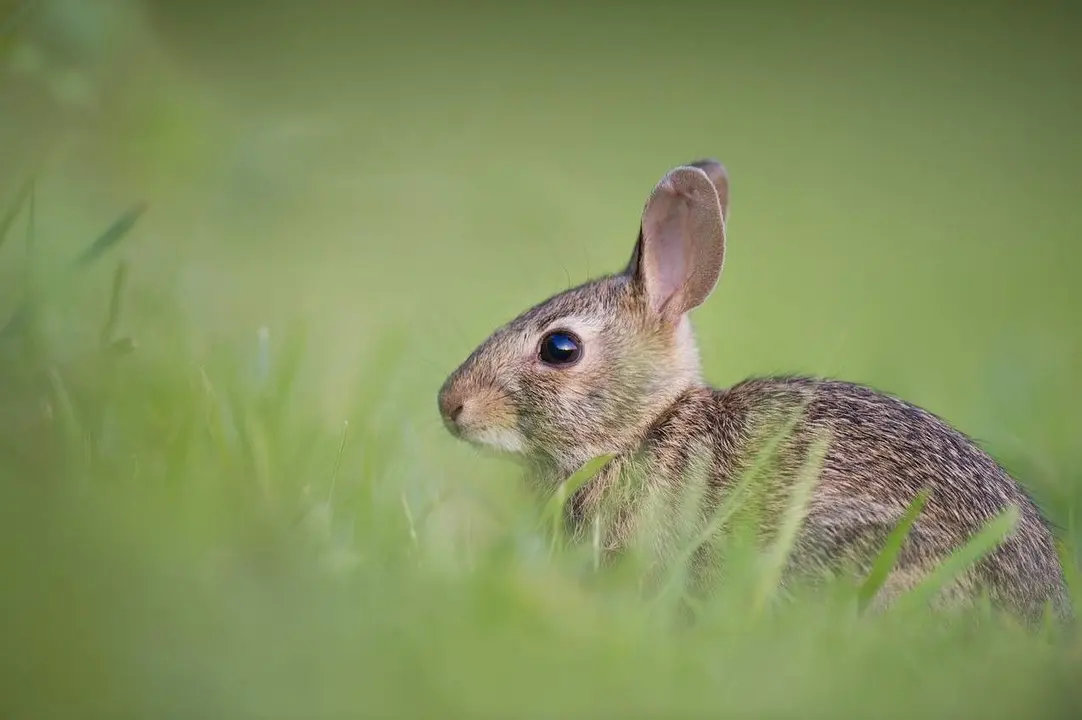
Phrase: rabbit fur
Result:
[635,391]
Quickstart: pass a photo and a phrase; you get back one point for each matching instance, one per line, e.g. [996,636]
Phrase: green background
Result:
[396,180]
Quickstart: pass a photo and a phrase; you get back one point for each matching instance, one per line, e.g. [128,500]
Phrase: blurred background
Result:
[904,206]
[904,178]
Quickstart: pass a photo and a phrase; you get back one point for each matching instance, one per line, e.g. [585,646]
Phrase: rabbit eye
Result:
[559,348]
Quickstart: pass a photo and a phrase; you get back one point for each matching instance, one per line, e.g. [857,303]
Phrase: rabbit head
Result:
[588,371]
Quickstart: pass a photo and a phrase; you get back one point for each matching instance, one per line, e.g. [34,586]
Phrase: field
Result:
[225,490]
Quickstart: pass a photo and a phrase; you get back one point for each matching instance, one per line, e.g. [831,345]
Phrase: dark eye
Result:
[559,348]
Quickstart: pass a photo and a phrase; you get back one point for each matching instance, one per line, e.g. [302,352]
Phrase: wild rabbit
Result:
[611,368]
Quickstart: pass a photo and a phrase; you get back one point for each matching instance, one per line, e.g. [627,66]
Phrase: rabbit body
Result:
[881,451]
[611,368]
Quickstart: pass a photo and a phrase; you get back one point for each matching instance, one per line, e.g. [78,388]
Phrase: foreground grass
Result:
[181,534]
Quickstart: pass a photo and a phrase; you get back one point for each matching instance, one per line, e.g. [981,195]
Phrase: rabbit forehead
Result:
[591,308]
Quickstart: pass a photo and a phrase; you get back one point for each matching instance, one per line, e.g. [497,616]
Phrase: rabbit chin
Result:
[500,439]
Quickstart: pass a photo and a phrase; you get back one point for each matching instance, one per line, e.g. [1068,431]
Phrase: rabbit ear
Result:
[719,176]
[681,247]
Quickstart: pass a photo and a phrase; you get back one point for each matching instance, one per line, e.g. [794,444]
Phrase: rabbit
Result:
[611,368]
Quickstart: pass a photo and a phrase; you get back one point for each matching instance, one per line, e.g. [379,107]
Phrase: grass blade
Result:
[732,502]
[69,421]
[884,563]
[992,534]
[280,380]
[12,213]
[121,227]
[116,298]
[1073,578]
[793,519]
[31,220]
[112,235]
[338,462]
[720,518]
[553,510]
[389,345]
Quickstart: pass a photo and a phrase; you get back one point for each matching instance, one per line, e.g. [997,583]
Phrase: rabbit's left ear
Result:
[681,247]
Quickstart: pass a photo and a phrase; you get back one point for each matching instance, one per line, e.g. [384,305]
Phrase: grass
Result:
[182,537]
[237,500]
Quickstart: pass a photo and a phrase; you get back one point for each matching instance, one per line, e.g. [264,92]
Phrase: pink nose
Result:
[451,404]
[453,413]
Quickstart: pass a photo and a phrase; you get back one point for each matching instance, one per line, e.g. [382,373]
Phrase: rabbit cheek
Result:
[541,410]
[487,418]
[558,414]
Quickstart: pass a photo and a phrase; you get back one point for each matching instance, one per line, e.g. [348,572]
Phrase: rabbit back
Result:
[881,452]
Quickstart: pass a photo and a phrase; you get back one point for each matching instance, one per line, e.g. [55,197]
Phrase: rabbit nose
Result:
[453,414]
[450,405]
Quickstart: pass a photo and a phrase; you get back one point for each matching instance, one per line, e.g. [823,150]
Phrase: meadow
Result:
[242,245]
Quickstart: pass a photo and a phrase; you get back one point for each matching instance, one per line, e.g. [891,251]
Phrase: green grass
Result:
[183,536]
[200,518]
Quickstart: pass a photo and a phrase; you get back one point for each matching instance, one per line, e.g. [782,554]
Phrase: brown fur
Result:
[637,394]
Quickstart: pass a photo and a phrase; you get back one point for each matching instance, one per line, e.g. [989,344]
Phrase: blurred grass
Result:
[186,530]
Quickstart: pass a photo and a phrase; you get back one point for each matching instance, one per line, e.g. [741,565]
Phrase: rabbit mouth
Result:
[500,439]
